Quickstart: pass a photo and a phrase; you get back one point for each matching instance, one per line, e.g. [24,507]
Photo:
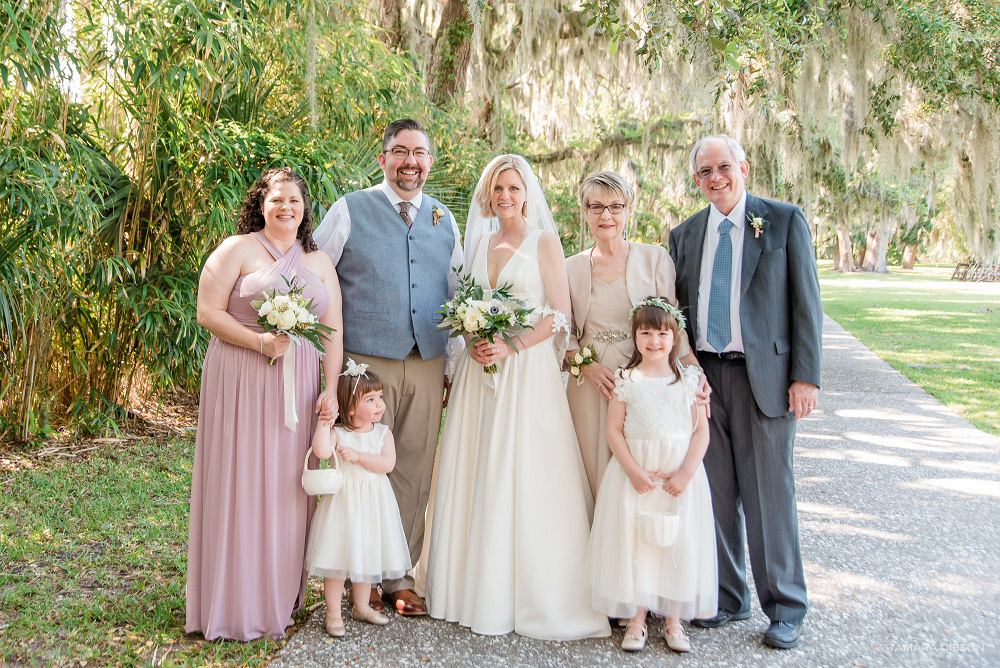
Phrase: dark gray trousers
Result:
[749,467]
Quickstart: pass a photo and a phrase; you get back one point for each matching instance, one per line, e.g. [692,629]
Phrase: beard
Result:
[409,183]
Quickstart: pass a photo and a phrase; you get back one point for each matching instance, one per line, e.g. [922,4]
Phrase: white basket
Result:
[658,521]
[318,482]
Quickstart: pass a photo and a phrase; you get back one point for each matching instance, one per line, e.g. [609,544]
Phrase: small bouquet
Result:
[484,313]
[582,358]
[290,313]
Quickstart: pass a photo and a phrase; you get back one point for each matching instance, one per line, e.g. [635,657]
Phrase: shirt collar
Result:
[738,216]
[395,199]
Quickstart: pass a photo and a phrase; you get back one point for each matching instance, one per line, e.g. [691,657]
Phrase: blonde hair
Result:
[484,191]
[613,182]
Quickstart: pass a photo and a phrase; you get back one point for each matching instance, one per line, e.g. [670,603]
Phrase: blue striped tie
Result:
[719,329]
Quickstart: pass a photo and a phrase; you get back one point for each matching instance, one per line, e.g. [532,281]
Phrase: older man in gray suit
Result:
[394,248]
[746,276]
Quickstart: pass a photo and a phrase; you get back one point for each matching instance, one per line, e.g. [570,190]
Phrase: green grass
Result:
[93,553]
[944,335]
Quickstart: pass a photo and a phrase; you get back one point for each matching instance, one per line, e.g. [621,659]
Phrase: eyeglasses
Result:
[402,153]
[598,209]
[722,169]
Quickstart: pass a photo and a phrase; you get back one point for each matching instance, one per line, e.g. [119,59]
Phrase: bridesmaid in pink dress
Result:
[249,514]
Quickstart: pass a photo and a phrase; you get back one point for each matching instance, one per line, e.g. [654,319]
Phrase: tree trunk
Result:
[390,19]
[910,256]
[844,260]
[450,54]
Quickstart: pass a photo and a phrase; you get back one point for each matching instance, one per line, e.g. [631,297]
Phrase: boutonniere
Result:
[757,223]
[437,212]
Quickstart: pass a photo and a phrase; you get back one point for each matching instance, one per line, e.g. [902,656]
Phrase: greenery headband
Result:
[659,303]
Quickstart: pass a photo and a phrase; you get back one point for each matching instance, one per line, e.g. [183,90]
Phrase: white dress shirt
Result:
[332,234]
[738,218]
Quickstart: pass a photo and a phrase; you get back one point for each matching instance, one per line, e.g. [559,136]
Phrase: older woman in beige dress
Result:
[605,282]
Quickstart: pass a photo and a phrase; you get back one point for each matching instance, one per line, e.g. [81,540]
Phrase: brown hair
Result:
[251,218]
[398,126]
[350,389]
[654,317]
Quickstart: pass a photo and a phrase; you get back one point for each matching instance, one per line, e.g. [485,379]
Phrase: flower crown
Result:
[355,370]
[659,303]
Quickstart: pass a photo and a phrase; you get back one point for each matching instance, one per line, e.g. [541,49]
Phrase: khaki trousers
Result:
[413,393]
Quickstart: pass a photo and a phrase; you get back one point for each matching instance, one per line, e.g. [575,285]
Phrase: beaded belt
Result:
[611,336]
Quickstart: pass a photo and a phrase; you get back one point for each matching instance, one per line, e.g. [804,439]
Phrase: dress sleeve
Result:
[621,386]
[691,378]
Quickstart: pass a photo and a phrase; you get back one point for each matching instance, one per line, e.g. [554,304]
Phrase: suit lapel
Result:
[752,243]
[697,241]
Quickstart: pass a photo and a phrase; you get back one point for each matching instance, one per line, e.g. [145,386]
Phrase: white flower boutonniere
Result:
[757,223]
[437,212]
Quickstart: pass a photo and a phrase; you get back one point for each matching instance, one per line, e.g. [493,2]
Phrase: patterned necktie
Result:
[404,213]
[719,331]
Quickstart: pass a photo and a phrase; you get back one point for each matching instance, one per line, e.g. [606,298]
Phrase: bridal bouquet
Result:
[290,313]
[484,313]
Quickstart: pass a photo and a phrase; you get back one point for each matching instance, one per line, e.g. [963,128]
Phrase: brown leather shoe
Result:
[375,600]
[406,602]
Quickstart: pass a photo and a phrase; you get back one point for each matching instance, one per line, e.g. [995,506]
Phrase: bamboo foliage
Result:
[130,133]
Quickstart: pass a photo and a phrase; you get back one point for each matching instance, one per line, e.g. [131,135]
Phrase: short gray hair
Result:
[608,180]
[738,153]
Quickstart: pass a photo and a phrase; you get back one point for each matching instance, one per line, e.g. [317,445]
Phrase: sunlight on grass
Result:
[943,335]
[93,552]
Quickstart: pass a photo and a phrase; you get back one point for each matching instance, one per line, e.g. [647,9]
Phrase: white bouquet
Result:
[486,314]
[290,313]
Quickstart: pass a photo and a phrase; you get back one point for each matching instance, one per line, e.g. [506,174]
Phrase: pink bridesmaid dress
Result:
[249,514]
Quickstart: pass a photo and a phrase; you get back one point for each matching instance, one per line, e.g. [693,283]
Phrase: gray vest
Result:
[393,279]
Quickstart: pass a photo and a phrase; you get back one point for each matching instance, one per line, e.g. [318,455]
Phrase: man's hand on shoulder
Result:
[802,398]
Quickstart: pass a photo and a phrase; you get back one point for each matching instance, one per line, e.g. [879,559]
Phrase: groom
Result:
[394,248]
[746,276]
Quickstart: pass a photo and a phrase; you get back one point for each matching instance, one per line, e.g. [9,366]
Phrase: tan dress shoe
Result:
[676,640]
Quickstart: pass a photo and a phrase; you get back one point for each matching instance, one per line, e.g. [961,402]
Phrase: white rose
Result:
[272,318]
[575,370]
[302,315]
[287,320]
[461,312]
[471,323]
[586,352]
[578,358]
[282,302]
[265,308]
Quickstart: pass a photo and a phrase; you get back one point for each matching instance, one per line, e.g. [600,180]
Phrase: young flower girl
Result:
[357,533]
[652,548]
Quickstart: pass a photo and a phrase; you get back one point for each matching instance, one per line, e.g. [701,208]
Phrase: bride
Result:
[509,524]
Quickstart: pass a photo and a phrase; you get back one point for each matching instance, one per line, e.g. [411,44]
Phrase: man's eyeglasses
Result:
[598,209]
[403,153]
[722,169]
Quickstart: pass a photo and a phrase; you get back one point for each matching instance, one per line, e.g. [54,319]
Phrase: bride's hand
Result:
[601,378]
[486,353]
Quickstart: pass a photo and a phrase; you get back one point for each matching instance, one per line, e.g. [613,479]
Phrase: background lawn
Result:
[942,334]
[93,552]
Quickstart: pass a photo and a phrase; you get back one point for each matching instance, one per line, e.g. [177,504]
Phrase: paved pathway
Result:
[899,507]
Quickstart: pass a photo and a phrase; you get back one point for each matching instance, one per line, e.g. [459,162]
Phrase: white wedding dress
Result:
[509,525]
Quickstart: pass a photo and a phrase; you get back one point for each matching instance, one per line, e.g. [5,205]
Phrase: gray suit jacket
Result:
[781,315]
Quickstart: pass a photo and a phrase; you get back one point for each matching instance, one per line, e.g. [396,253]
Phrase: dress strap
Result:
[266,243]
